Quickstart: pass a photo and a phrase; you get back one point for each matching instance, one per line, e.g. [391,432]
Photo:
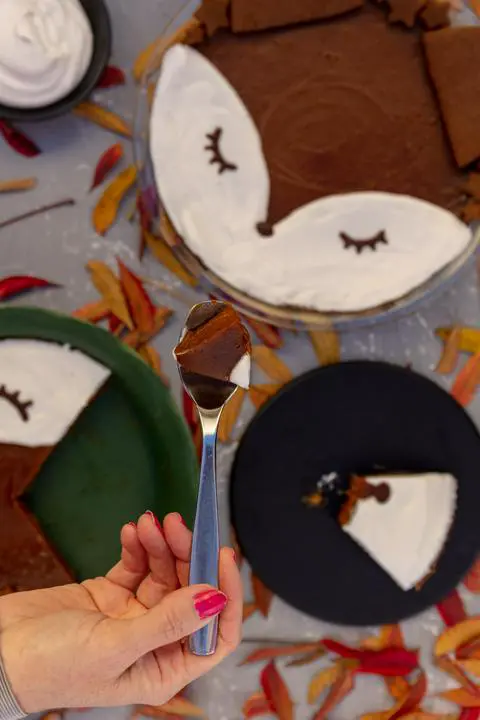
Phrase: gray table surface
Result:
[59,244]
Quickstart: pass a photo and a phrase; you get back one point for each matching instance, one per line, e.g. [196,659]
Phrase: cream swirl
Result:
[45,49]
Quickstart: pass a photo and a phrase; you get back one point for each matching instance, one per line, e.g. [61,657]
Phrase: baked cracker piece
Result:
[251,15]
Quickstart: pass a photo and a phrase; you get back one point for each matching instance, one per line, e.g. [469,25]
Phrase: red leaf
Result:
[18,141]
[341,649]
[269,335]
[18,284]
[472,581]
[113,323]
[390,662]
[112,76]
[283,651]
[410,701]
[276,692]
[470,714]
[466,383]
[257,704]
[338,692]
[108,160]
[138,300]
[452,610]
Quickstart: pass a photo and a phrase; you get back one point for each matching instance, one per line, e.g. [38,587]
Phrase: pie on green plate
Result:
[90,438]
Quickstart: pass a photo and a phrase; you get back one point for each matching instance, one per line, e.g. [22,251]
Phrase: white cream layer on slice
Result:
[405,535]
[43,389]
[341,253]
[241,372]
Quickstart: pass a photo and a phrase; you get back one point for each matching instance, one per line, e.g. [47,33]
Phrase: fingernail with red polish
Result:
[132,524]
[234,555]
[209,603]
[154,519]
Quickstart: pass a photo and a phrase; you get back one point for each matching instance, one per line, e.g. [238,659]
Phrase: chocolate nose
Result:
[265,229]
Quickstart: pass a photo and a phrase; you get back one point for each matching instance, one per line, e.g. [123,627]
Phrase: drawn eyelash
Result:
[218,158]
[14,399]
[361,245]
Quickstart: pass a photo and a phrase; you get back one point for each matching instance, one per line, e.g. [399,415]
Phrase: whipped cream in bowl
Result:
[52,53]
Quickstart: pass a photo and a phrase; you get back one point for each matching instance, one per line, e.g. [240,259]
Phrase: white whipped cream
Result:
[240,374]
[46,47]
[305,263]
[406,535]
[54,384]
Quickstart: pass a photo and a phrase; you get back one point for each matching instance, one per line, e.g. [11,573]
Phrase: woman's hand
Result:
[117,640]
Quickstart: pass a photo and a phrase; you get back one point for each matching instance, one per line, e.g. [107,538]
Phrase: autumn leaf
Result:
[406,704]
[472,580]
[271,364]
[451,609]
[469,650]
[112,76]
[249,609]
[450,355]
[259,394]
[15,285]
[396,686]
[469,338]
[471,666]
[108,285]
[270,653]
[107,161]
[256,705]
[230,415]
[308,658]
[153,360]
[142,309]
[20,185]
[421,715]
[342,687]
[326,344]
[177,706]
[276,692]
[18,141]
[456,636]
[136,338]
[269,335]
[150,58]
[103,117]
[168,259]
[475,5]
[93,312]
[106,209]
[456,671]
[389,636]
[262,596]
[324,679]
[462,697]
[52,715]
[467,380]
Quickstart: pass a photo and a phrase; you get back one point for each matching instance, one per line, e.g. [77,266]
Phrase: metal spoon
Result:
[210,396]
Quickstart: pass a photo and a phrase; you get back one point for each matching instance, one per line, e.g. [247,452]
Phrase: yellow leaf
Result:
[150,58]
[259,394]
[108,285]
[152,358]
[469,338]
[471,666]
[106,210]
[456,636]
[230,415]
[326,344]
[104,118]
[461,697]
[166,256]
[271,364]
[7,186]
[323,680]
[450,355]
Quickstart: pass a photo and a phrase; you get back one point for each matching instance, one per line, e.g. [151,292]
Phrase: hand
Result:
[117,640]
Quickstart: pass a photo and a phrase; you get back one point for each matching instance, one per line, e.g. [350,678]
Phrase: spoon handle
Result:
[205,544]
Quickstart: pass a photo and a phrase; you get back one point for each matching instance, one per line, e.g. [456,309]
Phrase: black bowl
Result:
[99,18]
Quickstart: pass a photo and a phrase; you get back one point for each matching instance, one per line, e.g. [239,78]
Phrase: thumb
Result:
[178,615]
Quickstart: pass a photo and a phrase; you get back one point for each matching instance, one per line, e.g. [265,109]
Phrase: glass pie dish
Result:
[290,317]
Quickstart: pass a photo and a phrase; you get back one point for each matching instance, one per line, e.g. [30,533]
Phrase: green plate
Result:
[129,451]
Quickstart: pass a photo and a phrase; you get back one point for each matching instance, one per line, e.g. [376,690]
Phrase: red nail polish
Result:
[209,603]
[132,524]
[155,520]
[234,555]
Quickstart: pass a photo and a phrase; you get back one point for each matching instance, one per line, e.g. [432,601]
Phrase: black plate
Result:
[347,418]
[99,18]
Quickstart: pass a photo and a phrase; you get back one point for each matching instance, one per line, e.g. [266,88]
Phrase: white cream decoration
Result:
[240,374]
[406,535]
[59,382]
[305,263]
[46,47]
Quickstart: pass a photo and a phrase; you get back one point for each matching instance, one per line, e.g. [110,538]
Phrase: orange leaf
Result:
[150,58]
[269,335]
[472,581]
[462,697]
[152,358]
[451,353]
[458,635]
[230,415]
[249,609]
[469,650]
[103,117]
[169,260]
[475,5]
[471,666]
[390,636]
[93,312]
[271,364]
[9,186]
[262,595]
[406,704]
[276,692]
[257,704]
[179,706]
[141,307]
[106,210]
[327,677]
[456,671]
[108,285]
[269,653]
[137,338]
[466,383]
[307,659]
[259,394]
[326,344]
[342,687]
[396,686]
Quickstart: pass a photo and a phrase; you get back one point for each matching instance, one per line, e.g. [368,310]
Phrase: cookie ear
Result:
[251,15]
[209,166]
